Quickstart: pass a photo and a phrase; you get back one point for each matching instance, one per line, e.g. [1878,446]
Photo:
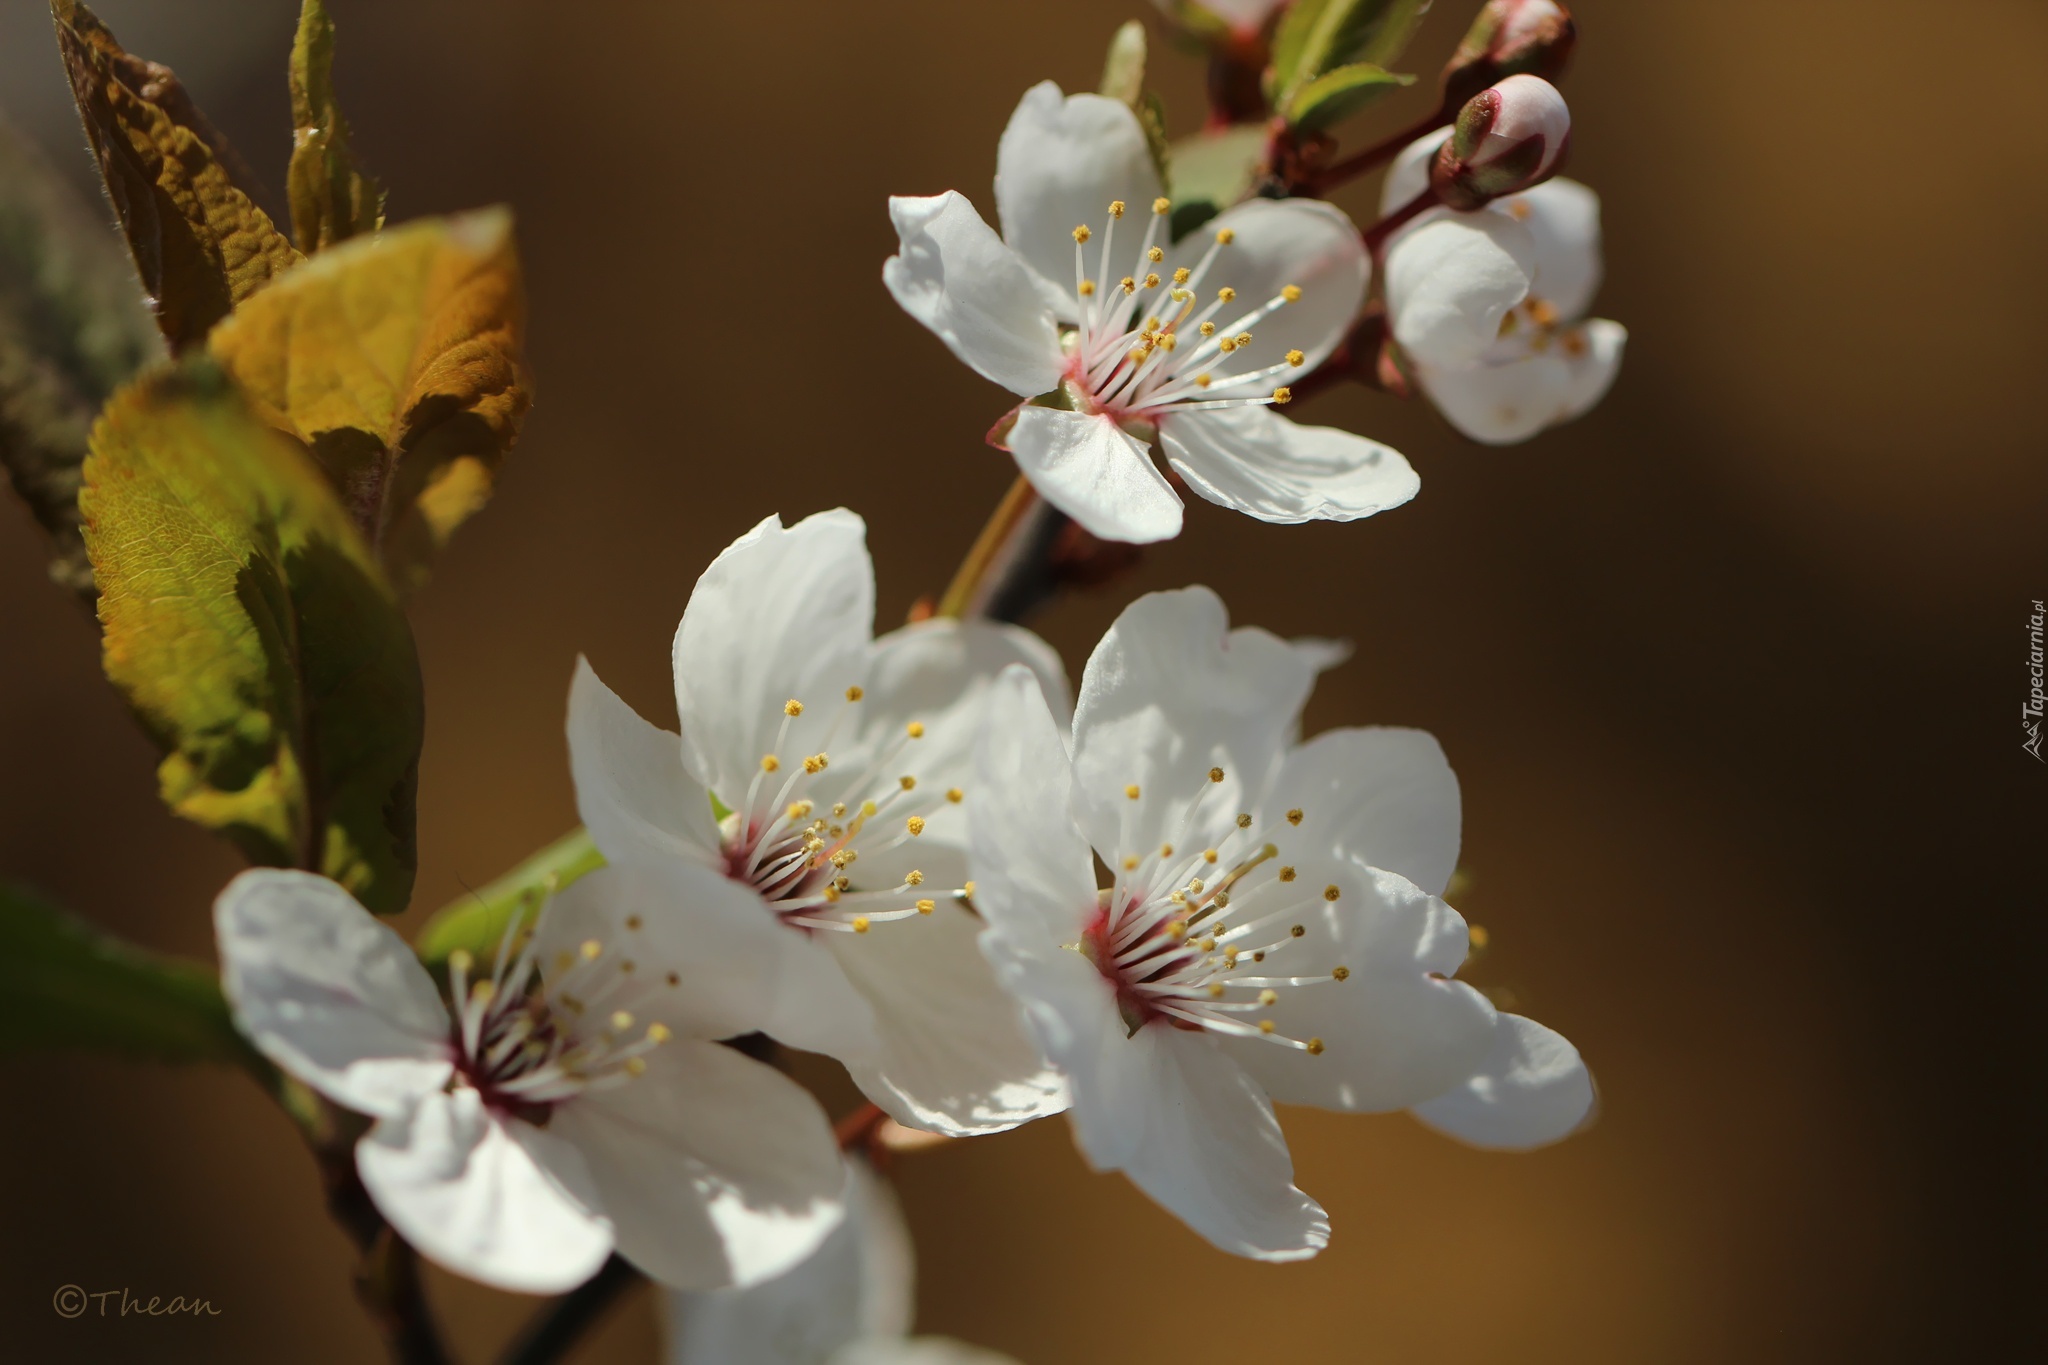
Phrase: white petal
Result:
[715,1169]
[1408,176]
[1095,472]
[1170,692]
[937,674]
[857,1285]
[330,993]
[1265,466]
[1062,159]
[1533,1089]
[1507,400]
[780,615]
[1451,278]
[919,1351]
[1277,242]
[954,1057]
[954,275]
[632,791]
[736,968]
[1395,1031]
[1034,872]
[499,1201]
[1382,796]
[1564,218]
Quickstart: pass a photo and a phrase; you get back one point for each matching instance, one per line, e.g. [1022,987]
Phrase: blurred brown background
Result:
[1730,670]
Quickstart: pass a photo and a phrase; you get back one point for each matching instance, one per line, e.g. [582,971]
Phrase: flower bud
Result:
[1507,138]
[1510,38]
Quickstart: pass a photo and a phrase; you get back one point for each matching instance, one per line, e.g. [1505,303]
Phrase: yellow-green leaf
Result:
[332,199]
[478,921]
[1336,95]
[397,358]
[1318,36]
[1210,171]
[199,243]
[250,629]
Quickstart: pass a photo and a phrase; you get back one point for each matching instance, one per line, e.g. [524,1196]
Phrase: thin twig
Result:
[561,1326]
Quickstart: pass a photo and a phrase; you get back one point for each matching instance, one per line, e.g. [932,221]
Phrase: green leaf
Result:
[199,242]
[1318,36]
[1123,71]
[1216,169]
[65,984]
[332,199]
[478,921]
[397,358]
[1336,95]
[251,631]
[73,329]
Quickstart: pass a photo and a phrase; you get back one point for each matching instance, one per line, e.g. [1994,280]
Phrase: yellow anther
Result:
[1226,345]
[854,694]
[838,810]
[842,857]
[1230,956]
[1296,357]
[1087,288]
[1082,234]
[907,782]
[797,810]
[1283,395]
[1128,285]
[1244,821]
[1181,275]
[1225,236]
[636,1066]
[591,949]
[832,892]
[1209,944]
[967,890]
[815,763]
[1226,294]
[843,883]
[915,824]
[926,907]
[1207,329]
[1208,855]
[1477,936]
[913,878]
[1315,1047]
[484,991]
[1215,774]
[1265,1025]
[1151,325]
[1166,850]
[1177,930]
[1269,998]
[1136,355]
[1286,874]
[1542,312]
[658,1032]
[1132,791]
[1221,899]
[1294,816]
[1244,338]
[1341,973]
[1331,892]
[955,795]
[1291,292]
[769,763]
[860,924]
[1202,381]
[868,808]
[1297,931]
[627,966]
[1179,898]
[621,1021]
[675,978]
[1131,863]
[1155,255]
[915,729]
[1162,205]
[460,961]
[792,707]
[1216,990]
[1195,886]
[1116,208]
[1168,342]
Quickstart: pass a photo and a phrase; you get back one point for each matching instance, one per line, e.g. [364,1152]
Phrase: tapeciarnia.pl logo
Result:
[2030,713]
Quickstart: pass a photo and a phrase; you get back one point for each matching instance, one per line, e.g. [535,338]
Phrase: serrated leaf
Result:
[64,984]
[1336,95]
[1318,36]
[396,358]
[250,629]
[478,921]
[199,242]
[73,329]
[1218,168]
[332,199]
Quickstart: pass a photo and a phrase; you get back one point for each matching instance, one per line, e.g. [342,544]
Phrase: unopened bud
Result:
[1510,38]
[1507,138]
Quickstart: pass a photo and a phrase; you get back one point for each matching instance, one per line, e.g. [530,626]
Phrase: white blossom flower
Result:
[1273,930]
[1491,305]
[567,1099]
[1192,343]
[812,815]
[851,1303]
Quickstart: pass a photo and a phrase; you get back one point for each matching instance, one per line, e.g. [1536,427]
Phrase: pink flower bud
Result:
[1507,138]
[1510,38]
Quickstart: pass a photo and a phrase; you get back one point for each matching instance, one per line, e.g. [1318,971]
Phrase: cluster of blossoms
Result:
[886,850]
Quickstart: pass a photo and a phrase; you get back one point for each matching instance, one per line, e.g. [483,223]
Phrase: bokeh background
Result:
[1730,670]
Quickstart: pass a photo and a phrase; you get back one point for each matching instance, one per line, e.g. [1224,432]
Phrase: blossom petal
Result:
[1451,278]
[1533,1089]
[779,615]
[1034,872]
[501,1202]
[1275,243]
[330,993]
[1169,693]
[1062,159]
[1508,400]
[954,1057]
[954,275]
[937,674]
[856,1286]
[1408,173]
[714,1169]
[632,790]
[1394,1030]
[1378,795]
[1097,473]
[919,1351]
[710,960]
[1265,466]
[1564,218]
